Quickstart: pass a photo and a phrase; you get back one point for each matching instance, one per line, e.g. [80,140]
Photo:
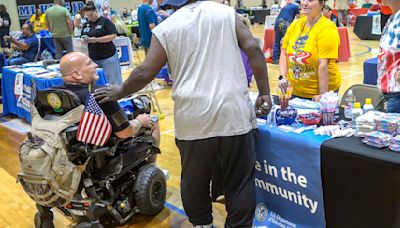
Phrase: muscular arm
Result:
[20,45]
[70,24]
[130,131]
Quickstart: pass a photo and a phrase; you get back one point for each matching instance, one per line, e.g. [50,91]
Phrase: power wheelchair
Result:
[118,181]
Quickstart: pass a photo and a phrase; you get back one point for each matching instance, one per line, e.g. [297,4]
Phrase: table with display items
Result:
[361,184]
[344,47]
[123,45]
[363,28]
[288,179]
[371,71]
[19,105]
[338,182]
[133,28]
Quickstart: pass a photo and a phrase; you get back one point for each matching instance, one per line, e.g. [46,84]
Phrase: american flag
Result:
[94,127]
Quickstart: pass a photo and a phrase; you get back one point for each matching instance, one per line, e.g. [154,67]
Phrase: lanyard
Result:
[296,45]
[295,68]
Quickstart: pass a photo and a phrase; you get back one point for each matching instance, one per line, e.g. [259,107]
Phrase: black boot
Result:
[44,217]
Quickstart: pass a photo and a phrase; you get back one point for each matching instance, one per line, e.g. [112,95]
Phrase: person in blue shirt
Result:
[28,43]
[147,21]
[285,17]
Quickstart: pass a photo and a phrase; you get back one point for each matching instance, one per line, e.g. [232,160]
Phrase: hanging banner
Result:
[26,8]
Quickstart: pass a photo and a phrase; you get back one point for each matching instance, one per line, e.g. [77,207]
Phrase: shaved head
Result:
[76,67]
[71,62]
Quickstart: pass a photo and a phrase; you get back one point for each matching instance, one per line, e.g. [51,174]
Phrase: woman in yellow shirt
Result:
[309,53]
[38,20]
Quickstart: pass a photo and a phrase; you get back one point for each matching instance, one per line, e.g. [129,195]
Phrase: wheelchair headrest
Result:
[56,101]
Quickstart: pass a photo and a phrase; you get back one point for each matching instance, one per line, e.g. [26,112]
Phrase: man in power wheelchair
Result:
[115,180]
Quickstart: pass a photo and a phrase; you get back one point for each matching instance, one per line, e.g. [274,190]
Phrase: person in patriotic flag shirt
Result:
[389,59]
[78,72]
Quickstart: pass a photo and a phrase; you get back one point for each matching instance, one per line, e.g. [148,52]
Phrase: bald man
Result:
[78,72]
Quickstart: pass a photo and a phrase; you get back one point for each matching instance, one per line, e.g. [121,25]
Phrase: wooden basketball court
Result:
[17,209]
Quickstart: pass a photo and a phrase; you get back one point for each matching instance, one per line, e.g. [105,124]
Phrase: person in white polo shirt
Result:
[213,115]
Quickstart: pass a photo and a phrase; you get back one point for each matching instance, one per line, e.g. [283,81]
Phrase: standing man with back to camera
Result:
[213,115]
[60,25]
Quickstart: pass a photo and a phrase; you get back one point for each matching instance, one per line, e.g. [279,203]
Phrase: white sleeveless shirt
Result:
[209,80]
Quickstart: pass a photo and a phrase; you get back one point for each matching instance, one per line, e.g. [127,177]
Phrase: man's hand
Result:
[106,94]
[145,120]
[263,105]
[7,38]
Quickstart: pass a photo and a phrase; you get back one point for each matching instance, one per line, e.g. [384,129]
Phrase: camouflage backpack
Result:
[47,175]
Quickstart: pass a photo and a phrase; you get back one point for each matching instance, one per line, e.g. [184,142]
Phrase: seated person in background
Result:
[78,72]
[126,15]
[122,30]
[326,11]
[28,43]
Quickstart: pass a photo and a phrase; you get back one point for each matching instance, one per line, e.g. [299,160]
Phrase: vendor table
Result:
[363,28]
[371,71]
[260,14]
[288,179]
[20,105]
[123,44]
[344,47]
[361,184]
[133,28]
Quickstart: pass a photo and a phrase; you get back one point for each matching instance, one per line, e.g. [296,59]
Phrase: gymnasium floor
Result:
[17,209]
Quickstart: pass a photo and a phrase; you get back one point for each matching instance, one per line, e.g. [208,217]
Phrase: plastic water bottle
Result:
[368,105]
[350,100]
[357,111]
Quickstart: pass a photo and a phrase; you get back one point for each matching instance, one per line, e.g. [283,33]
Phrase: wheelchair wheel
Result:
[151,190]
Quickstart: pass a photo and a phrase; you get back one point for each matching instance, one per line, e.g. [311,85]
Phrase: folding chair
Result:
[148,90]
[362,91]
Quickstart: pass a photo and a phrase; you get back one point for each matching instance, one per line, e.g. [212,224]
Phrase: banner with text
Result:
[288,180]
[26,8]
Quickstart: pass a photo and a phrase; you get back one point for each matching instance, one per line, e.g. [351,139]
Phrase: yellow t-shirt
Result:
[38,24]
[321,42]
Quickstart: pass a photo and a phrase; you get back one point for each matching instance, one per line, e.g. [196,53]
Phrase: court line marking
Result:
[363,53]
[175,208]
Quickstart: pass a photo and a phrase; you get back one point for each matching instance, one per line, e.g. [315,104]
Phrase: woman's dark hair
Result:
[90,6]
[3,10]
[37,7]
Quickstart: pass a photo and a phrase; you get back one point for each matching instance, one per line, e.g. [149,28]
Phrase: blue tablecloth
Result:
[20,105]
[371,71]
[47,43]
[288,179]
